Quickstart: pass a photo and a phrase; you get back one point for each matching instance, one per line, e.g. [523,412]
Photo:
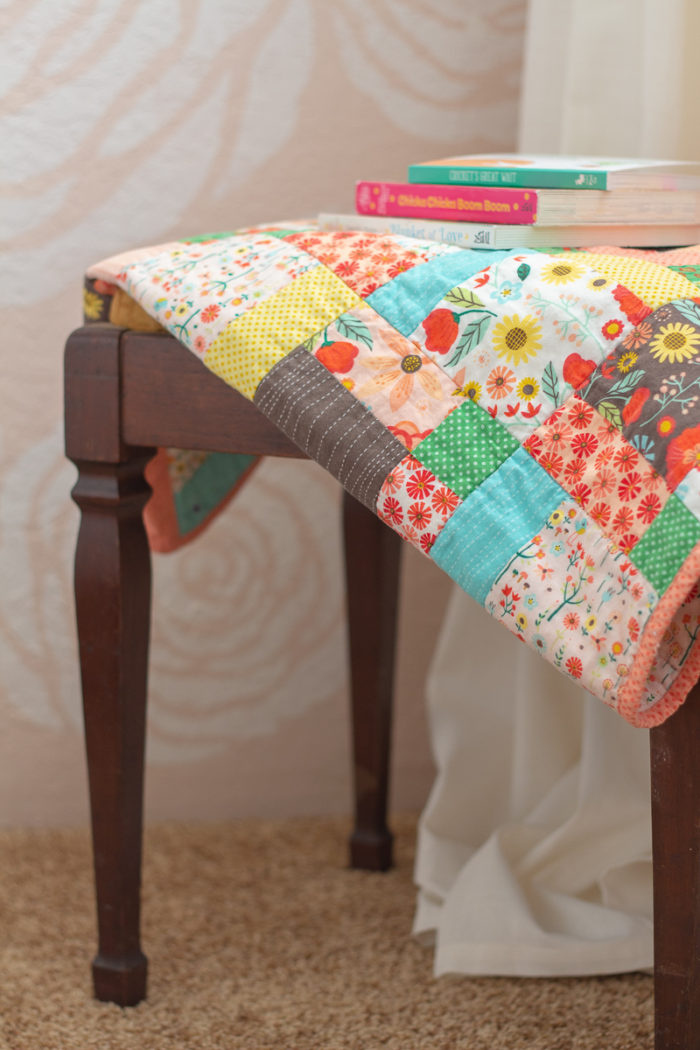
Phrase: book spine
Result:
[448,203]
[461,235]
[542,178]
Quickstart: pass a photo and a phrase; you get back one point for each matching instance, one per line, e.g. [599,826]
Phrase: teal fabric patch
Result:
[508,508]
[219,473]
[466,448]
[666,544]
[406,300]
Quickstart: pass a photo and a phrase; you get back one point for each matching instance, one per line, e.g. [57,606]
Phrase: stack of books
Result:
[512,200]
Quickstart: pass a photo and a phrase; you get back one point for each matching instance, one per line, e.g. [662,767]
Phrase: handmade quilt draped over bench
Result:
[528,420]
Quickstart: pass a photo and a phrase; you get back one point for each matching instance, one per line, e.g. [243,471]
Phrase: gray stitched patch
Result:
[322,418]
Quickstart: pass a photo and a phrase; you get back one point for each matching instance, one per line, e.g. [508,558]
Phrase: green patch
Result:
[666,544]
[466,448]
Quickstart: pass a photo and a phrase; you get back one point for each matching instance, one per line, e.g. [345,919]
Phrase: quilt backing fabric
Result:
[528,420]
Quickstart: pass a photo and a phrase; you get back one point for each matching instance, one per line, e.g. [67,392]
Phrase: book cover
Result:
[563,172]
[453,203]
[493,235]
[545,207]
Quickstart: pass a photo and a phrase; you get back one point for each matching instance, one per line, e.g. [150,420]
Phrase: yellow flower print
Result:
[590,623]
[517,338]
[675,342]
[627,361]
[562,272]
[521,621]
[181,310]
[92,304]
[556,516]
[597,283]
[472,390]
[528,388]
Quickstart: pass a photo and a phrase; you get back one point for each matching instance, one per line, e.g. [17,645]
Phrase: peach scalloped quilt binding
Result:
[528,420]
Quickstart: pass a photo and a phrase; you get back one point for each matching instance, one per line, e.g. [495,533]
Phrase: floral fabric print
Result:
[365,262]
[590,458]
[649,387]
[521,336]
[387,373]
[197,289]
[415,503]
[573,595]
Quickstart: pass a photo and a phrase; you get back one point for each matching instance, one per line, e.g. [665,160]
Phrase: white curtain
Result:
[534,850]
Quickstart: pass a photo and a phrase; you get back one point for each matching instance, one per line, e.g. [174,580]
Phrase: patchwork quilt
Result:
[528,420]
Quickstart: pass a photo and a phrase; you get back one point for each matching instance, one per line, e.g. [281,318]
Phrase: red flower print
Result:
[580,414]
[441,330]
[682,455]
[631,305]
[210,313]
[444,501]
[394,480]
[633,409]
[633,628]
[584,445]
[394,271]
[600,512]
[649,507]
[482,278]
[612,329]
[574,667]
[573,471]
[420,484]
[603,458]
[419,515]
[571,621]
[577,370]
[630,486]
[628,541]
[392,511]
[666,425]
[604,482]
[426,541]
[338,356]
[623,520]
[581,492]
[534,445]
[552,463]
[500,382]
[347,268]
[626,458]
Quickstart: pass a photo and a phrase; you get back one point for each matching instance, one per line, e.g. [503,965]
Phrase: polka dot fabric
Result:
[529,420]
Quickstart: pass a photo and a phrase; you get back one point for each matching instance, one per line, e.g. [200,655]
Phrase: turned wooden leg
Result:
[372,562]
[675,790]
[112,593]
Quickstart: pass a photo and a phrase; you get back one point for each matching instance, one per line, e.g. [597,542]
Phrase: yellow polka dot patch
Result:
[655,284]
[251,344]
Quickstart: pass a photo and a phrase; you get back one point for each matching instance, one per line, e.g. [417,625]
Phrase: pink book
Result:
[451,203]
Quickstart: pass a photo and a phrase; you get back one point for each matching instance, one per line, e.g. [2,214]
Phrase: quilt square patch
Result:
[387,372]
[414,503]
[591,459]
[667,543]
[323,419]
[507,508]
[466,448]
[253,343]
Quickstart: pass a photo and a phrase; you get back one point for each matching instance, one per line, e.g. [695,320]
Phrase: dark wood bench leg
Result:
[372,564]
[112,593]
[675,791]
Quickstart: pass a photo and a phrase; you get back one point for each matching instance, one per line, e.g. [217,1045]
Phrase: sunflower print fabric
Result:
[529,421]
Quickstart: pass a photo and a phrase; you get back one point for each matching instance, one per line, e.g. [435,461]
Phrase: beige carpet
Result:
[260,938]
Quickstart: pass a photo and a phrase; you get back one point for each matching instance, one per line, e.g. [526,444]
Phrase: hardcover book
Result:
[494,235]
[512,205]
[562,172]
